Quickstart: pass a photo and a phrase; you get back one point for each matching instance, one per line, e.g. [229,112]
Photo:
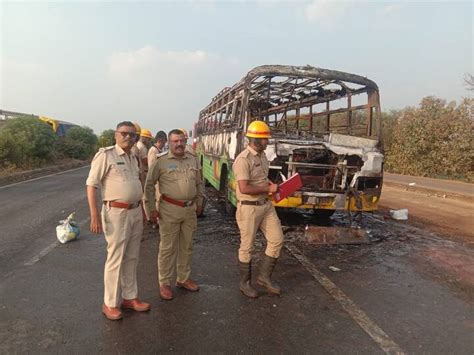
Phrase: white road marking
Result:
[41,254]
[372,329]
[42,177]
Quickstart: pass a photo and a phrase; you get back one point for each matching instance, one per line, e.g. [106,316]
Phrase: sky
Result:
[96,63]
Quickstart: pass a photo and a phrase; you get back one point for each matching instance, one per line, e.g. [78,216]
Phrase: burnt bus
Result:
[326,126]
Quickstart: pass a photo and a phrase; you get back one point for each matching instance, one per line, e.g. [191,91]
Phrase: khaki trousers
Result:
[250,219]
[177,228]
[123,230]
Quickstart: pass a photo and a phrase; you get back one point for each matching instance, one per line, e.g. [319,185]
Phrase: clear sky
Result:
[159,63]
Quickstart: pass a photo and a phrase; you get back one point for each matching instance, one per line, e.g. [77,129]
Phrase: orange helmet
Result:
[145,133]
[258,129]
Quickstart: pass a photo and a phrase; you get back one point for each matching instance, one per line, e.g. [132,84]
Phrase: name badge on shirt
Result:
[120,163]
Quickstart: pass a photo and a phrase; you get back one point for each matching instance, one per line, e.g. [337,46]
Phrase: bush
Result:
[78,143]
[26,142]
[107,138]
[433,140]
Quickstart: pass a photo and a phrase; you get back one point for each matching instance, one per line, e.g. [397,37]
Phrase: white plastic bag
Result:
[401,215]
[68,229]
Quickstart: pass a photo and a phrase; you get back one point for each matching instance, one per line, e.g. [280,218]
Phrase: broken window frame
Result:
[304,87]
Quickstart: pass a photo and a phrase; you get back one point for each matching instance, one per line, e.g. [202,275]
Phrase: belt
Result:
[176,202]
[125,205]
[254,203]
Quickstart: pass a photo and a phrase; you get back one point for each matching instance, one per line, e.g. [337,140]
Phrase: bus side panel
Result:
[208,171]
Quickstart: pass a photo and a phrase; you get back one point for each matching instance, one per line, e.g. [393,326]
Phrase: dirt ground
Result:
[452,218]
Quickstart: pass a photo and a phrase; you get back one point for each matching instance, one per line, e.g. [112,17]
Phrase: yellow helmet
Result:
[258,129]
[145,133]
[138,129]
[186,136]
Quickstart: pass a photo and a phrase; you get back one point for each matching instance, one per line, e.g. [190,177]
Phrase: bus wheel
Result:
[323,214]
[229,207]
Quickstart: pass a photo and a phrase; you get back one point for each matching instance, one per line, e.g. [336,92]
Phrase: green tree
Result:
[107,138]
[433,140]
[78,143]
[26,142]
[389,121]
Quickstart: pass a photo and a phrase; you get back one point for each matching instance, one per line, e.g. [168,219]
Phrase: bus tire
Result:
[323,214]
[224,187]
[229,207]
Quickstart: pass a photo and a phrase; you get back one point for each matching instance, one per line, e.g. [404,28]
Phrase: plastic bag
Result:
[401,215]
[68,229]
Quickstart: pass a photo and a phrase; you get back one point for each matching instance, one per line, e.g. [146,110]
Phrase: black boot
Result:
[245,278]
[264,277]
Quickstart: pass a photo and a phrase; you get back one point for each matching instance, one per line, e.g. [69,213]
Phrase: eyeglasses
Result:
[125,134]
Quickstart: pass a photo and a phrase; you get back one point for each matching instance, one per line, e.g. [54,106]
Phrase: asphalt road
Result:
[443,186]
[407,291]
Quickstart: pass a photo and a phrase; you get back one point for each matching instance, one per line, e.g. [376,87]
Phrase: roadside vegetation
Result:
[26,143]
[432,140]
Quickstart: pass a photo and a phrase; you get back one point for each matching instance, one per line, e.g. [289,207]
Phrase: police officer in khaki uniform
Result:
[255,210]
[115,171]
[157,148]
[179,180]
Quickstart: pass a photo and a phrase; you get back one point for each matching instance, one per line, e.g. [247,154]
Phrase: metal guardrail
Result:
[5,115]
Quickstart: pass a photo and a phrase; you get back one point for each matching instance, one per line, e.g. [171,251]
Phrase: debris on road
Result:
[335,235]
[400,215]
[68,229]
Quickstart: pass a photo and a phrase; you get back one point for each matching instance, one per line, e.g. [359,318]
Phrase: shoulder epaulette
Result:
[104,149]
[190,151]
[162,154]
[244,153]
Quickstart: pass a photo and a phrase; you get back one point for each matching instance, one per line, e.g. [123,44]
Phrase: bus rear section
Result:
[338,173]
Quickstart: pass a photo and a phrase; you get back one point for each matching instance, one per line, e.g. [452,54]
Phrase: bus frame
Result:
[317,131]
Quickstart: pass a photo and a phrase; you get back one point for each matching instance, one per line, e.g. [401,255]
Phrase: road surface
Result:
[410,290]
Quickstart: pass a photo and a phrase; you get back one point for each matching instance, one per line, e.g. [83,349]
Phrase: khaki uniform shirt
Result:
[116,174]
[251,166]
[153,154]
[142,150]
[177,178]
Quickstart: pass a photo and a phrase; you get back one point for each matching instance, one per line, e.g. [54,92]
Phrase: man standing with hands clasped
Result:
[115,171]
[255,210]
[178,175]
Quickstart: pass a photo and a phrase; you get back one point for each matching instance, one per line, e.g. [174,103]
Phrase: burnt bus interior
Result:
[322,122]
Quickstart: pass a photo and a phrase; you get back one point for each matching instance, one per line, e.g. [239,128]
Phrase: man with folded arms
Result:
[115,170]
[177,173]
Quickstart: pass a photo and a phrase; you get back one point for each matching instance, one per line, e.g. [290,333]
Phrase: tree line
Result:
[433,139]
[27,142]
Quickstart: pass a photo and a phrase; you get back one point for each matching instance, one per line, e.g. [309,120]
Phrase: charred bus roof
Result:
[278,84]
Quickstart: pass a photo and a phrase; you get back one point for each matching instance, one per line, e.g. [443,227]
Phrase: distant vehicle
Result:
[326,125]
[59,127]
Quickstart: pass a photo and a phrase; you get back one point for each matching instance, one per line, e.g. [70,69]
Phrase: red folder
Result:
[288,187]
